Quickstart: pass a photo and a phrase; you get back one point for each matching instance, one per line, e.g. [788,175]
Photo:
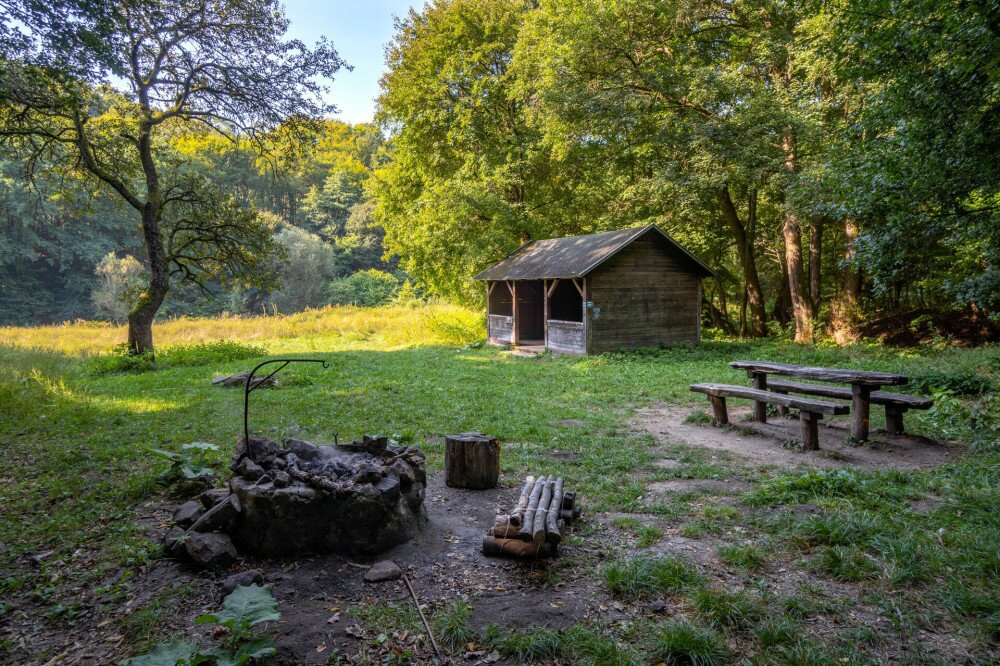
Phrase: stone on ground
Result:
[244,578]
[383,571]
[219,517]
[187,513]
[209,550]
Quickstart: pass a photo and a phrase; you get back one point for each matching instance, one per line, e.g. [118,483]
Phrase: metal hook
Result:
[249,388]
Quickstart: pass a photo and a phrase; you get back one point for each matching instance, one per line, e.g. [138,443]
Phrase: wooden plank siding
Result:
[567,337]
[500,329]
[646,297]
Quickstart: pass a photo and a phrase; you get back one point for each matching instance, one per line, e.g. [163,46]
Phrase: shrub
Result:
[844,563]
[364,288]
[646,575]
[967,383]
[683,642]
[120,361]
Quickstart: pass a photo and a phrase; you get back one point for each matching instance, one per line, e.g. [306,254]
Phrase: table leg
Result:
[860,409]
[760,408]
[810,430]
[894,419]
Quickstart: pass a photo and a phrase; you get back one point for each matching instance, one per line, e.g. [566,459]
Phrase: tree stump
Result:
[471,460]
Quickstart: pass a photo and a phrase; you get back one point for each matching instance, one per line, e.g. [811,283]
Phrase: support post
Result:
[760,408]
[860,409]
[782,410]
[810,430]
[515,337]
[894,419]
[545,297]
[719,410]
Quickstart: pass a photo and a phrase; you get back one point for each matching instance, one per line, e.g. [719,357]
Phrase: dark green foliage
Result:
[966,383]
[683,642]
[365,288]
[748,557]
[203,353]
[647,575]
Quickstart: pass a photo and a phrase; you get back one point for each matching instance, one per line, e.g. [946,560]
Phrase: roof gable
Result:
[576,256]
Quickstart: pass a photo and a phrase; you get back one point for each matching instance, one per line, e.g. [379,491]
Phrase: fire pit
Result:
[357,498]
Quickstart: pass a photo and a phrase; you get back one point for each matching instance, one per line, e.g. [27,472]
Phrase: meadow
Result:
[77,422]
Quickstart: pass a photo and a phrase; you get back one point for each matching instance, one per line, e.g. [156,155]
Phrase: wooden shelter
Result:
[600,292]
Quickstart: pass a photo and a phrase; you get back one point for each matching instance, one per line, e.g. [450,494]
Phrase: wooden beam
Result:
[510,286]
[579,288]
[545,317]
[514,334]
[555,283]
[490,286]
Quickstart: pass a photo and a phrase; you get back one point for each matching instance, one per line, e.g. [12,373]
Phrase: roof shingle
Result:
[575,256]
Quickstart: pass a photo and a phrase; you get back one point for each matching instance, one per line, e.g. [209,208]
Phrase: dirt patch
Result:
[774,443]
[687,485]
[316,593]
[564,455]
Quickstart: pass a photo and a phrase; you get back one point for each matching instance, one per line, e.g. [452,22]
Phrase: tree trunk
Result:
[815,261]
[845,315]
[783,304]
[143,312]
[802,310]
[744,246]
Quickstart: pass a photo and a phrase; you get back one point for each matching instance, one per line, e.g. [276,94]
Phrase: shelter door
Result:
[530,311]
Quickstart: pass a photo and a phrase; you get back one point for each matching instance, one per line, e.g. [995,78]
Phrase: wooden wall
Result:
[500,329]
[646,298]
[567,337]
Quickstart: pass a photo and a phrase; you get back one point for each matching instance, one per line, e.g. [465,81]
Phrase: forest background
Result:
[835,161]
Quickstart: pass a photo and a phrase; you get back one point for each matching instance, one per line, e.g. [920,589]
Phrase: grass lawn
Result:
[882,565]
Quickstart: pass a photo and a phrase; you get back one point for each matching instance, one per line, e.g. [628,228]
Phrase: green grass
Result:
[645,575]
[74,430]
[683,642]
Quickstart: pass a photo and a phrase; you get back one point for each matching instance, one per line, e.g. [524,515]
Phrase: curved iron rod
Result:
[249,388]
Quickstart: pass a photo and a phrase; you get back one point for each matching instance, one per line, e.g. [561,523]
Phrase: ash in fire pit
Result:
[357,498]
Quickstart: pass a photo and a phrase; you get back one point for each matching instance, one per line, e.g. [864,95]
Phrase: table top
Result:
[860,377]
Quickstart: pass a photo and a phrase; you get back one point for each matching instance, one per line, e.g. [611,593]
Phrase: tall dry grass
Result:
[342,327]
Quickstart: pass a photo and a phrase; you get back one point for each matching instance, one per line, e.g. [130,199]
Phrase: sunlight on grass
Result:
[329,328]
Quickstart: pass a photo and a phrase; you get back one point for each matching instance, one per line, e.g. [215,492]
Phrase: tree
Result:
[221,64]
[311,264]
[470,178]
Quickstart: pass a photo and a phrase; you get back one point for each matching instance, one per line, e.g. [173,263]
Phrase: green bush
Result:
[968,383]
[120,361]
[364,288]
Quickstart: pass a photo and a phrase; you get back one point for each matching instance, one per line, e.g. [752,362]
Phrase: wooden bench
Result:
[811,411]
[896,404]
[863,384]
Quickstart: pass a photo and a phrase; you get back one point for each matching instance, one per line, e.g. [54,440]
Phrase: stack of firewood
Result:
[534,527]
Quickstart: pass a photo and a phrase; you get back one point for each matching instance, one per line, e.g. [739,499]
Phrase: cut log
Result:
[502,527]
[495,547]
[569,498]
[517,515]
[552,531]
[527,526]
[542,513]
[471,460]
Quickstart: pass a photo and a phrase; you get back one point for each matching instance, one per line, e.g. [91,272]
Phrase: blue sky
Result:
[359,30]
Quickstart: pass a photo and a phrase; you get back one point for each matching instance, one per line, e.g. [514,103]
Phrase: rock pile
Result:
[356,498]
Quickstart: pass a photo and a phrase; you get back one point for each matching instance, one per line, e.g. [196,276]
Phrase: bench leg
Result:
[719,409]
[894,419]
[810,430]
[860,406]
[760,408]
[782,410]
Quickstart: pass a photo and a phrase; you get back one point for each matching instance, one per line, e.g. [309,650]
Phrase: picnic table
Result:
[862,382]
